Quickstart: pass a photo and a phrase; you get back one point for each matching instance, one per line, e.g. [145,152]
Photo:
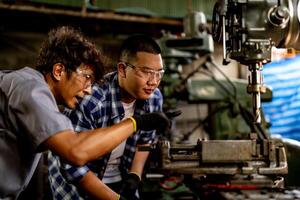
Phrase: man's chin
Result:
[144,97]
[71,105]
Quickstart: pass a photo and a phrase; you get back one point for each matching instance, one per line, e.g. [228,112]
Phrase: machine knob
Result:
[279,16]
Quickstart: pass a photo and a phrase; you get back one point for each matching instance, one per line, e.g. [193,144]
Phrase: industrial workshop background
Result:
[212,96]
[25,23]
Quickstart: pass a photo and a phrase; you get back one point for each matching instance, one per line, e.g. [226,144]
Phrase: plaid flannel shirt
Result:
[102,108]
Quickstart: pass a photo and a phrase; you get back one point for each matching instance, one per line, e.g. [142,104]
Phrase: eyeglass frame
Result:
[89,78]
[153,73]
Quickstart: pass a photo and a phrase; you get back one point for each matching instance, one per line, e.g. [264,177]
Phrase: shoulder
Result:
[111,76]
[108,88]
[156,94]
[101,94]
[22,77]
[155,101]
[25,82]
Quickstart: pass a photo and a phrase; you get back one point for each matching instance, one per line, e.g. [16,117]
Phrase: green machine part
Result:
[225,103]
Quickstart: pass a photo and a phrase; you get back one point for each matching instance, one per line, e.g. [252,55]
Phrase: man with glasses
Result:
[30,121]
[131,90]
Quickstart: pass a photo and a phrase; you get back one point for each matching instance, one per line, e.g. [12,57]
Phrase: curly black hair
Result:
[68,46]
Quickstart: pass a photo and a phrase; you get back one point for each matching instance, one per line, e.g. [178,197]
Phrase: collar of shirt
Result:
[117,110]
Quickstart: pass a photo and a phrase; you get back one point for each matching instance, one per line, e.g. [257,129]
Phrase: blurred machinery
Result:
[249,30]
[177,51]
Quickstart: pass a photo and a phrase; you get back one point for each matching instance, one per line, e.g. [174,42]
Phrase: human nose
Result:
[88,89]
[88,82]
[154,78]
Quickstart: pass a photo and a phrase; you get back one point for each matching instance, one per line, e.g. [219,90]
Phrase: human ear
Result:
[57,71]
[121,69]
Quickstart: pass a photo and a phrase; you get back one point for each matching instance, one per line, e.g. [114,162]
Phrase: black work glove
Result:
[130,185]
[172,114]
[156,121]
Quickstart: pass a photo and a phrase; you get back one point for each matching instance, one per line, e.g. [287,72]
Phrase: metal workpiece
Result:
[278,162]
[224,157]
[231,151]
[265,194]
[260,163]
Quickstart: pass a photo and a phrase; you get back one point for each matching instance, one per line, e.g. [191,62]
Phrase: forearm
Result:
[99,142]
[95,188]
[138,162]
[83,147]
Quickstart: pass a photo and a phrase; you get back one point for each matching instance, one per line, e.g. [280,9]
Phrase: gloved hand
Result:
[155,121]
[130,185]
[172,114]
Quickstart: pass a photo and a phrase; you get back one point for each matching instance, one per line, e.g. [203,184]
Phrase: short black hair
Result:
[137,43]
[68,46]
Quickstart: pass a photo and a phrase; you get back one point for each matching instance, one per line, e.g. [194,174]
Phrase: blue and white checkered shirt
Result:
[102,108]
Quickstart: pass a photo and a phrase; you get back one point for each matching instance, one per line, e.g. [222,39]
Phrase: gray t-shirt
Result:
[28,116]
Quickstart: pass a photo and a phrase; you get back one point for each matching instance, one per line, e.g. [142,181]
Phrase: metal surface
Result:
[248,37]
[259,161]
[229,157]
[255,167]
[166,8]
